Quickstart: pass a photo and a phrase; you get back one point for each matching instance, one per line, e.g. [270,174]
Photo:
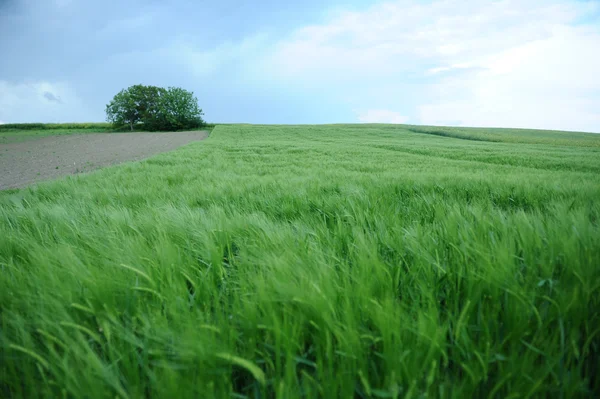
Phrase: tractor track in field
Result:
[28,162]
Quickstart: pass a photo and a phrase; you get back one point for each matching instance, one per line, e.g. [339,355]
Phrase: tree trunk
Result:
[131,124]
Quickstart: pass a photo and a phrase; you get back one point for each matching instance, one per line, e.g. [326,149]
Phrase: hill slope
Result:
[315,261]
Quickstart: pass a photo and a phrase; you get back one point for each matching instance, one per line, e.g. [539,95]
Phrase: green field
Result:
[341,261]
[19,132]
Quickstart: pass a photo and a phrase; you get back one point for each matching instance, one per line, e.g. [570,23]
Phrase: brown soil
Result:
[53,156]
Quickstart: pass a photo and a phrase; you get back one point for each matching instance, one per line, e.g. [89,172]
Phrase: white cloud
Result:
[381,116]
[39,102]
[527,63]
[550,83]
[444,30]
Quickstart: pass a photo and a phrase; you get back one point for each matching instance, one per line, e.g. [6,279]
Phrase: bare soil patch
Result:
[49,157]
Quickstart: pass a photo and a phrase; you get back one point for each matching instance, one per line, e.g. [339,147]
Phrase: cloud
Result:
[52,98]
[502,63]
[381,37]
[40,101]
[541,84]
[529,63]
[381,116]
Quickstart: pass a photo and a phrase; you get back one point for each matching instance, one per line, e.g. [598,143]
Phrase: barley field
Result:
[338,261]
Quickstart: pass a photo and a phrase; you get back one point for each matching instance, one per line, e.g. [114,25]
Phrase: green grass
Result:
[13,133]
[523,136]
[309,261]
[19,132]
[54,126]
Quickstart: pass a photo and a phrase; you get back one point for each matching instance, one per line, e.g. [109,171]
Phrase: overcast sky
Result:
[510,63]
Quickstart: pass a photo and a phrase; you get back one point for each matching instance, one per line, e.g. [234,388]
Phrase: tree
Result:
[121,111]
[133,105]
[155,107]
[179,109]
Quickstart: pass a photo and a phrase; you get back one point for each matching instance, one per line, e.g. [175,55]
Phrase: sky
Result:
[507,63]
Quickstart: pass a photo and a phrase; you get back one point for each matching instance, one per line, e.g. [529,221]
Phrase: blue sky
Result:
[509,63]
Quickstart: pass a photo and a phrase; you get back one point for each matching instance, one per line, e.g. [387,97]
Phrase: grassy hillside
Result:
[524,136]
[53,126]
[18,132]
[310,261]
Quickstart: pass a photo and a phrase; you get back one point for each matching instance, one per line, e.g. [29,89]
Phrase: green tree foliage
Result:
[130,106]
[156,108]
[179,109]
